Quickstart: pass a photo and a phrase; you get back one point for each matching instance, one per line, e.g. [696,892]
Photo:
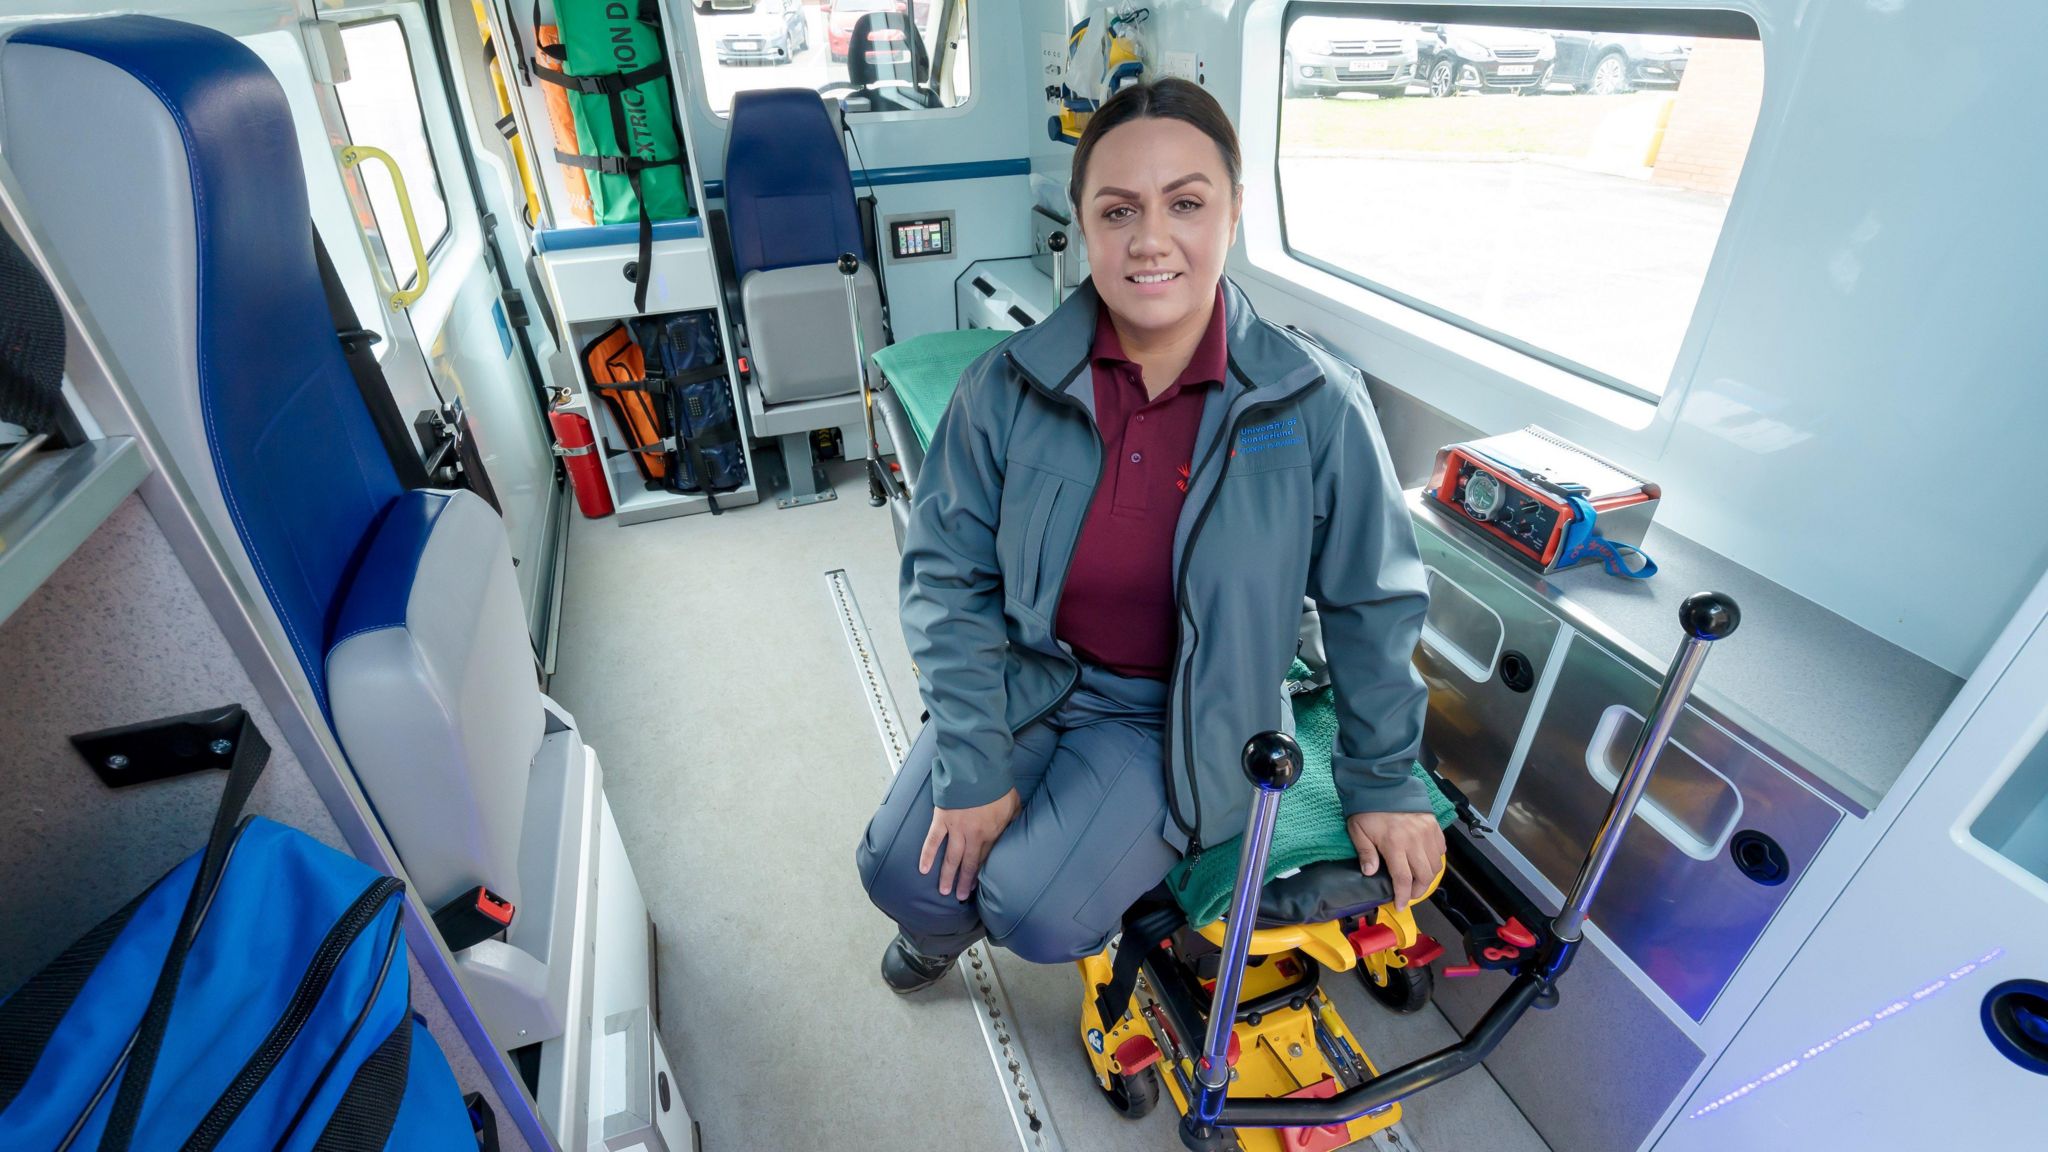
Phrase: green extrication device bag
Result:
[617,74]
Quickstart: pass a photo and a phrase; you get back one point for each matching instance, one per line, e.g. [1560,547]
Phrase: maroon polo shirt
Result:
[1117,606]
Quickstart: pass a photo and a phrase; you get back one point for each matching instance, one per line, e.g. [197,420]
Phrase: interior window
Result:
[880,55]
[1557,189]
[380,105]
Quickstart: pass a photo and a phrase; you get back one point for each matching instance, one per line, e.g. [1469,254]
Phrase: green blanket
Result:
[924,370]
[1310,826]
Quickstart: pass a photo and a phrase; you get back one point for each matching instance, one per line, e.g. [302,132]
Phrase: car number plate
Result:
[747,45]
[1371,65]
[1518,69]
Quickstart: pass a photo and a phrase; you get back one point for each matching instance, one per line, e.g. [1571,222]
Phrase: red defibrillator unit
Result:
[1547,501]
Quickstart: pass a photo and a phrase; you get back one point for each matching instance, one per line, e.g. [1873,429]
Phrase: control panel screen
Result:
[910,239]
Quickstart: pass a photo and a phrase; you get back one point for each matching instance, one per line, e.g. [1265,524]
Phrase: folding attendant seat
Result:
[790,211]
[161,163]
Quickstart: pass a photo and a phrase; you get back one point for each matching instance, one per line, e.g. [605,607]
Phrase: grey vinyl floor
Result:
[705,664]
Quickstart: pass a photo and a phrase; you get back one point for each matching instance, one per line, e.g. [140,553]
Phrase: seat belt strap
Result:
[1147,925]
[356,348]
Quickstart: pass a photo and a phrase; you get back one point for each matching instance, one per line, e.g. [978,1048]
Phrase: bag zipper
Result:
[114,1074]
[359,916]
[362,1016]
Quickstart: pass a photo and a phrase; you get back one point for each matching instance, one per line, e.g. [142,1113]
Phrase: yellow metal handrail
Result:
[355,154]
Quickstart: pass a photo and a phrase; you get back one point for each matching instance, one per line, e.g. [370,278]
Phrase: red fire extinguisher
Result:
[578,449]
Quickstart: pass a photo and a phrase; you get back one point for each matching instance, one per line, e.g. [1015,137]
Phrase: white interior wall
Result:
[1863,340]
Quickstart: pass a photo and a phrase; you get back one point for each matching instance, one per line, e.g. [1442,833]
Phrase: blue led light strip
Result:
[1862,1026]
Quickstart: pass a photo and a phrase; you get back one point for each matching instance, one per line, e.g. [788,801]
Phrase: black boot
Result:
[906,970]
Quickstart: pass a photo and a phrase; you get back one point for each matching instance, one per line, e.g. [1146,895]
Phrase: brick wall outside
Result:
[1712,117]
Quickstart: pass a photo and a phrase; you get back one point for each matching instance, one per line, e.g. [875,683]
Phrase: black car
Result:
[1605,63]
[1479,58]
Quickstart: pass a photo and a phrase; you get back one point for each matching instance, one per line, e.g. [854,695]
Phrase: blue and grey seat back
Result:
[160,163]
[790,210]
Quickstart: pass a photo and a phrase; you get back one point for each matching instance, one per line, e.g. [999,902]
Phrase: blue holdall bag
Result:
[256,997]
[685,358]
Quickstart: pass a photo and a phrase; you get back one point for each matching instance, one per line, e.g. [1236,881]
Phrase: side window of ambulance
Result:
[380,103]
[1555,189]
[883,55]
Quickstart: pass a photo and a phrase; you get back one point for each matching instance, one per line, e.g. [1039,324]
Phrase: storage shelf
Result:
[610,235]
[48,510]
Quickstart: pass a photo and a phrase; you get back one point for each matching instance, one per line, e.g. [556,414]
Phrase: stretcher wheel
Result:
[1407,989]
[1133,1096]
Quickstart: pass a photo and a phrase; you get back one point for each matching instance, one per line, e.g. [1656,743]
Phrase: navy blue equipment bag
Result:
[256,997]
[683,352]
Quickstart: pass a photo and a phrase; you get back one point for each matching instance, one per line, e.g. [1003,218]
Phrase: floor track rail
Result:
[1028,1111]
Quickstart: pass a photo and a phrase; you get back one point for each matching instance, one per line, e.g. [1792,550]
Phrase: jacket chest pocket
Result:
[1033,501]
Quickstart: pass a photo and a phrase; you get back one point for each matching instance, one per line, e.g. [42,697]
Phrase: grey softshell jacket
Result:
[1291,495]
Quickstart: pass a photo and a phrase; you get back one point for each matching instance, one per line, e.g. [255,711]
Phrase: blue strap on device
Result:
[1582,538]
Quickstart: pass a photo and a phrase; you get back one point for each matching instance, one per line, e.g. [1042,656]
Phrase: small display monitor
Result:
[918,237]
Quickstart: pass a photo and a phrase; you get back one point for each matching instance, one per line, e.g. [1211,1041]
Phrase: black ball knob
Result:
[1272,760]
[1709,615]
[848,264]
[1057,242]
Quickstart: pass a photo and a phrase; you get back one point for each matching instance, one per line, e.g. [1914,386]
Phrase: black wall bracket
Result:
[174,746]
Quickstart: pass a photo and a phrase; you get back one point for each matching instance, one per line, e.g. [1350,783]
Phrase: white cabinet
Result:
[1876,1035]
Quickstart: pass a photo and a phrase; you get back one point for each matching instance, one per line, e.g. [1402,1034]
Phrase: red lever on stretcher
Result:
[1136,1054]
[1367,939]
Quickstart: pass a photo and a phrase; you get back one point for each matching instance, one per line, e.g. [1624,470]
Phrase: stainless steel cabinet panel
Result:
[1675,901]
[1476,621]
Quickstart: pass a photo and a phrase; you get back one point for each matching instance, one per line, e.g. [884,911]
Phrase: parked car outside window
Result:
[1481,58]
[1329,54]
[842,15]
[1608,63]
[775,34]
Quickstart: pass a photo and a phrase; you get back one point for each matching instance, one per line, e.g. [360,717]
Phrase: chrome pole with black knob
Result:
[1706,617]
[1057,245]
[1272,761]
[849,268]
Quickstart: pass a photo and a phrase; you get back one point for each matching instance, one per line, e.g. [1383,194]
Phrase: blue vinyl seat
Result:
[160,163]
[790,215]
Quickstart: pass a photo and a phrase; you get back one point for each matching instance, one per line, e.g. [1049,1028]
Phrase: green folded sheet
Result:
[1310,826]
[924,370]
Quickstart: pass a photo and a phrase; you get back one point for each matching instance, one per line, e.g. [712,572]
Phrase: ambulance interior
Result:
[626,658]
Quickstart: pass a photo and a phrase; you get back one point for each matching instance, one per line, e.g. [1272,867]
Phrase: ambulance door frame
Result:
[457,261]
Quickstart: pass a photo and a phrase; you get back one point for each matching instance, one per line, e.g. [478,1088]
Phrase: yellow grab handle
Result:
[355,154]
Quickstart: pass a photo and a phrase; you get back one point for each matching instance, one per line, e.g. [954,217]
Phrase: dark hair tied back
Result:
[1170,98]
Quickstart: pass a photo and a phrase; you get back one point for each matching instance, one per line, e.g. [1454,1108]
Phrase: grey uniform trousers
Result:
[1085,845]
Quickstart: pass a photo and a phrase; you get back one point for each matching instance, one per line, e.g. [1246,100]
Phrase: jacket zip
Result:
[1180,590]
[1181,618]
[1060,589]
[311,987]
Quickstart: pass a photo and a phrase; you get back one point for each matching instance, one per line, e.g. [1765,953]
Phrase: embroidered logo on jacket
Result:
[1265,437]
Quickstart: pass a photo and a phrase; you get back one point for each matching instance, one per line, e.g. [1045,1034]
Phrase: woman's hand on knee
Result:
[1409,843]
[968,835]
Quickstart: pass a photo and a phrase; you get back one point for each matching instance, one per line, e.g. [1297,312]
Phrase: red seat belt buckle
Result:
[472,918]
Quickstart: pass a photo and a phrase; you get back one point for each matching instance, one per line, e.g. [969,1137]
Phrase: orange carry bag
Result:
[618,371]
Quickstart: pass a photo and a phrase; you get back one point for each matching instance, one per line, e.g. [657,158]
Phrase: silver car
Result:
[1328,54]
[775,34]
